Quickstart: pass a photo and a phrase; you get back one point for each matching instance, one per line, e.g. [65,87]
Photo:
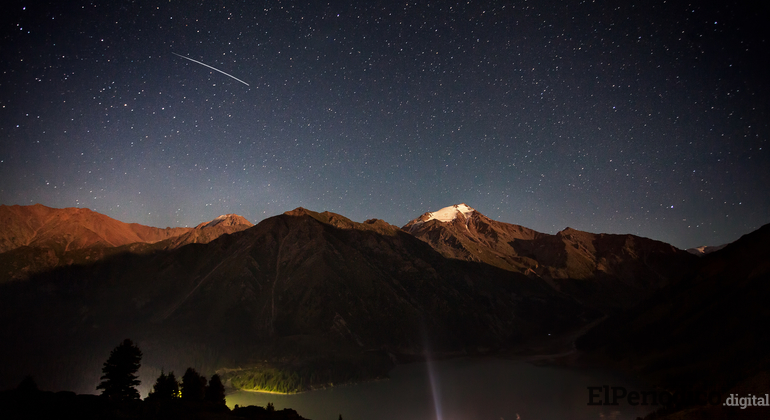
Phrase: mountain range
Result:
[600,270]
[315,298]
[37,238]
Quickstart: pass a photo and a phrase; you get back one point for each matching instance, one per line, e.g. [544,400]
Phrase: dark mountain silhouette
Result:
[601,270]
[707,331]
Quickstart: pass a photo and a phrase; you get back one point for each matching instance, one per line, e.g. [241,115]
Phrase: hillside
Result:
[705,332]
[604,271]
[70,229]
[36,238]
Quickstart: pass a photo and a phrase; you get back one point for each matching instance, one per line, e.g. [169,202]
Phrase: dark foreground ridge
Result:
[704,334]
[35,404]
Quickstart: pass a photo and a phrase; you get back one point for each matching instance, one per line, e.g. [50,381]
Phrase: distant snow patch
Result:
[703,250]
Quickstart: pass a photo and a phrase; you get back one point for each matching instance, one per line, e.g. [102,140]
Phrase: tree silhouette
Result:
[215,392]
[166,387]
[120,379]
[193,386]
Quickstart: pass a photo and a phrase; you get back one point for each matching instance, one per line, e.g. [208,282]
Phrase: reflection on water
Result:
[466,389]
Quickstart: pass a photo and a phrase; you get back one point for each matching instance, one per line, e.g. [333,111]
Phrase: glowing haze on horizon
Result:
[647,118]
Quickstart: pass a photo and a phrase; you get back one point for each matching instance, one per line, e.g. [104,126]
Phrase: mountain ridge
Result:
[699,333]
[42,226]
[584,265]
[37,238]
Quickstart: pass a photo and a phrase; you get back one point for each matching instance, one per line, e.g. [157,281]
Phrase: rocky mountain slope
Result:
[208,231]
[601,270]
[70,229]
[38,238]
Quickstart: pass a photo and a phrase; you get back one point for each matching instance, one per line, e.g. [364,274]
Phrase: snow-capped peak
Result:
[447,214]
[219,220]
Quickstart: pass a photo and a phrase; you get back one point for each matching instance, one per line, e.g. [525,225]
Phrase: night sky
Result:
[650,118]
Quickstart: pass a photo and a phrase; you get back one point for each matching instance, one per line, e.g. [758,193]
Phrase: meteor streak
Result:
[212,68]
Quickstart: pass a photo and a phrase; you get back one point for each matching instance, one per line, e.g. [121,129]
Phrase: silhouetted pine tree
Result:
[119,379]
[193,386]
[215,392]
[166,387]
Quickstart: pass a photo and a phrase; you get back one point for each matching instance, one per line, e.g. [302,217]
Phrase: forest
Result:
[322,372]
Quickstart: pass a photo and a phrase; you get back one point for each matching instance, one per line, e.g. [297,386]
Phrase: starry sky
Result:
[650,118]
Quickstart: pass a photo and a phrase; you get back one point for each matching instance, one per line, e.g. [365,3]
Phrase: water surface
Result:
[461,389]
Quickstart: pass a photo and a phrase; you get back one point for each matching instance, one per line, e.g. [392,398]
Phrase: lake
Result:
[467,389]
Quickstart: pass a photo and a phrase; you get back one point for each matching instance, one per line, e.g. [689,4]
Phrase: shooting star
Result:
[212,68]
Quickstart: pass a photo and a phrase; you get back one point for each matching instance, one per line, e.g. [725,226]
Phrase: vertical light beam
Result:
[434,386]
